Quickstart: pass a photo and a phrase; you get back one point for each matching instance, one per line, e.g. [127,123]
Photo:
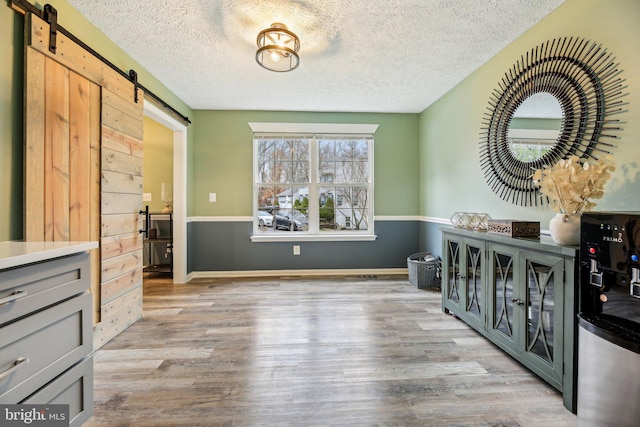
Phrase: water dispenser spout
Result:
[595,276]
[634,289]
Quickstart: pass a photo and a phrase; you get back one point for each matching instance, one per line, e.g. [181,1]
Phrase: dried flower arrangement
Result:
[571,184]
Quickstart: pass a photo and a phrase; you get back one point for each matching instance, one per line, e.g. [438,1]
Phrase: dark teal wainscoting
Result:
[226,246]
[431,237]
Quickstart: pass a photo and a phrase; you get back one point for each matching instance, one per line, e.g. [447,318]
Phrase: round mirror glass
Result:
[535,127]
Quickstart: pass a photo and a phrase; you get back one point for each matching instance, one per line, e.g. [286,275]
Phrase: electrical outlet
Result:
[212,197]
[296,249]
[146,197]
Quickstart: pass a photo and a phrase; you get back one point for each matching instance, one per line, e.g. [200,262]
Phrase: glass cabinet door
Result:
[473,282]
[451,283]
[543,314]
[501,298]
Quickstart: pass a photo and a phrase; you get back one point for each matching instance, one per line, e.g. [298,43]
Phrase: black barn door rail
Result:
[50,15]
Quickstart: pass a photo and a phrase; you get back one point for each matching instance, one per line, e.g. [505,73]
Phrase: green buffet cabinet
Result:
[521,294]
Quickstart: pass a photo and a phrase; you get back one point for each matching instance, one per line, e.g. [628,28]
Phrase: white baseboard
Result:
[187,278]
[297,273]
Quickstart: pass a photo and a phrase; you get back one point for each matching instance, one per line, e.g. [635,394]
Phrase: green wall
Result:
[11,100]
[157,163]
[451,179]
[222,159]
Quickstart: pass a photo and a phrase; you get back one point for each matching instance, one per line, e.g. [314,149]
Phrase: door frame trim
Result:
[179,185]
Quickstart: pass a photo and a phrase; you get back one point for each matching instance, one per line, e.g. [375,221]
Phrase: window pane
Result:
[292,210]
[267,197]
[359,197]
[327,210]
[347,160]
[266,153]
[327,149]
[326,171]
[343,208]
[299,152]
[355,209]
[283,161]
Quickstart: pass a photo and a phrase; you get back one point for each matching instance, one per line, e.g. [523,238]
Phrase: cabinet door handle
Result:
[19,362]
[14,296]
[517,301]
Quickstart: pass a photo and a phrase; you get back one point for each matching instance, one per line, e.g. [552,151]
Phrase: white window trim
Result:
[318,128]
[301,236]
[336,128]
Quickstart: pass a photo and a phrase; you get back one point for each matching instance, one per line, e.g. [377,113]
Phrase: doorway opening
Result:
[157,199]
[174,189]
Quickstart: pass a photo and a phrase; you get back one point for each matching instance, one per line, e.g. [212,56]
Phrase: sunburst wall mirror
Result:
[575,88]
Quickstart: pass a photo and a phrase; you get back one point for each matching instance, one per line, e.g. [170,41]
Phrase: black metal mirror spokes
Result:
[585,80]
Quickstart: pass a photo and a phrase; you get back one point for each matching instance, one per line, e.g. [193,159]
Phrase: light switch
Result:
[296,249]
[146,197]
[212,197]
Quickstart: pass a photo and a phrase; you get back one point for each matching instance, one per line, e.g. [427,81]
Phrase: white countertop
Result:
[15,254]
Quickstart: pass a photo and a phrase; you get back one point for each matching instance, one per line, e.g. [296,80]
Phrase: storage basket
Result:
[424,270]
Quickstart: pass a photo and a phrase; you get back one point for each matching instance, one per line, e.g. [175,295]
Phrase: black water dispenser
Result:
[609,320]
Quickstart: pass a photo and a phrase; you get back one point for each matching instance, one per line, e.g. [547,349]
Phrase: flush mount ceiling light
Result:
[278,48]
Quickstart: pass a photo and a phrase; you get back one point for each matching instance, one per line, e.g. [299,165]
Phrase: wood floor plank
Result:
[303,352]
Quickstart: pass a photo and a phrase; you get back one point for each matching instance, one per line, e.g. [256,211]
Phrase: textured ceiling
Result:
[356,55]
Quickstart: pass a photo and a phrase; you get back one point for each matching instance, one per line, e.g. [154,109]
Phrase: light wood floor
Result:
[302,352]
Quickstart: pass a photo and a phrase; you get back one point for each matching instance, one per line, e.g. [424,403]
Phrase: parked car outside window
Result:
[290,220]
[265,219]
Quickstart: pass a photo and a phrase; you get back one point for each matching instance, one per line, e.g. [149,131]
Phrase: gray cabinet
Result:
[46,335]
[520,294]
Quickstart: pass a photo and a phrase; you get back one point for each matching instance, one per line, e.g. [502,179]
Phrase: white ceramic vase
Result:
[565,229]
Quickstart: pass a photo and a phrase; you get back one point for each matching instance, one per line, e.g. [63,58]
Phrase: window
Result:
[528,145]
[316,185]
[529,150]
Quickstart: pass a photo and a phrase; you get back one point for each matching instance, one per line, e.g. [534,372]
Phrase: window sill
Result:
[295,237]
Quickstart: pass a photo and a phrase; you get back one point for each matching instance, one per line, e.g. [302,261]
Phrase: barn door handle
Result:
[145,230]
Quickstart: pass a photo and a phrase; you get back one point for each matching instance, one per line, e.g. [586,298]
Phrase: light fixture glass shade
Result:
[278,48]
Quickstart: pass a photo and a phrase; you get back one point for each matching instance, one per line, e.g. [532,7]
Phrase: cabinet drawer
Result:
[73,388]
[30,288]
[49,342]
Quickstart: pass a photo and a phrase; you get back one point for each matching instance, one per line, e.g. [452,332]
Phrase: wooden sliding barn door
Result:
[83,168]
[121,242]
